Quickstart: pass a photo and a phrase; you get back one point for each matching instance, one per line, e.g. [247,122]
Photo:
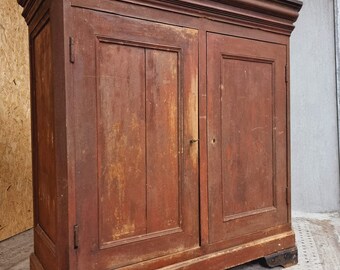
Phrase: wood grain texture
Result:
[276,16]
[247,132]
[247,136]
[45,134]
[16,209]
[163,137]
[138,136]
[52,186]
[141,82]
[227,258]
[35,263]
[121,115]
[137,119]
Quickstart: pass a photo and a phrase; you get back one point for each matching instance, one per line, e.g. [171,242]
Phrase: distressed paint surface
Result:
[15,143]
[169,27]
[246,101]
[247,127]
[121,141]
[138,141]
[136,113]
[45,135]
[162,140]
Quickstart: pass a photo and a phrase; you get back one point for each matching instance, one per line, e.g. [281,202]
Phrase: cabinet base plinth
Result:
[285,258]
[35,263]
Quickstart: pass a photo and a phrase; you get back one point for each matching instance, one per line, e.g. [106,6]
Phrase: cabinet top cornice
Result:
[273,14]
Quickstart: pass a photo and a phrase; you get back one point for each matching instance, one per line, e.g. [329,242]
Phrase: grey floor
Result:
[318,239]
[15,251]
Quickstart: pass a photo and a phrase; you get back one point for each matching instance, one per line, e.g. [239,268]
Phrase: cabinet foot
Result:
[285,258]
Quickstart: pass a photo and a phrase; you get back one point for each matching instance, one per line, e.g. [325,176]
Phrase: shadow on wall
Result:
[15,142]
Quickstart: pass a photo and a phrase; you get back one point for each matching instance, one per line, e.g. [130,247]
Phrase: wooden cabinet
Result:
[160,133]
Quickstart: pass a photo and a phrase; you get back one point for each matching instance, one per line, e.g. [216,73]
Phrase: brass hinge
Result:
[76,236]
[71,44]
[286,73]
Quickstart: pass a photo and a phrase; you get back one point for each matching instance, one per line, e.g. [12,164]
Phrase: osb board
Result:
[15,142]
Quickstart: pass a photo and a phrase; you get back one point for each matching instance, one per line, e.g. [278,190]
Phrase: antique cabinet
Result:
[160,133]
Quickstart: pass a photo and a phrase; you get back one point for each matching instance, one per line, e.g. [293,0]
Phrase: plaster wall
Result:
[314,141]
[15,143]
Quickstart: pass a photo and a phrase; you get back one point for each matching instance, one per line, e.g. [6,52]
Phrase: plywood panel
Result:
[15,143]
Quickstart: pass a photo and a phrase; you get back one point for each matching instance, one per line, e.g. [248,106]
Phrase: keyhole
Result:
[214,140]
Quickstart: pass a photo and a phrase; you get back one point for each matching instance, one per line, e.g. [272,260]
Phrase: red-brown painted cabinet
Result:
[160,133]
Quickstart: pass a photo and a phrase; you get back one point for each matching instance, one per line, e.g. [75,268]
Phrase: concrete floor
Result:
[318,240]
[15,251]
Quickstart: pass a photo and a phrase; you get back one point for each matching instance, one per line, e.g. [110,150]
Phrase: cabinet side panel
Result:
[45,135]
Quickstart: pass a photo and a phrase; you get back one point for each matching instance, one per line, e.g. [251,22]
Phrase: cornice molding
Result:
[278,15]
[30,7]
[274,15]
[286,9]
[22,2]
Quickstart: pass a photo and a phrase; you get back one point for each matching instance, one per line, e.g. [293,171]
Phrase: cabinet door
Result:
[247,137]
[135,92]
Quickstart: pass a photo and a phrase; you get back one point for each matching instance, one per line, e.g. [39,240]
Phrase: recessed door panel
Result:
[247,137]
[247,131]
[163,141]
[121,142]
[138,142]
[137,182]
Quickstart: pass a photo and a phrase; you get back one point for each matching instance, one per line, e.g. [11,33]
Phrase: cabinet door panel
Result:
[162,140]
[247,136]
[121,142]
[136,111]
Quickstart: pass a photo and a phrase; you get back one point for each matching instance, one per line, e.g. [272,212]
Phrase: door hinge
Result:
[71,44]
[286,73]
[76,236]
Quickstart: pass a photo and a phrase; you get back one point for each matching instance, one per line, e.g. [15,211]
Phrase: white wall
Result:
[315,160]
